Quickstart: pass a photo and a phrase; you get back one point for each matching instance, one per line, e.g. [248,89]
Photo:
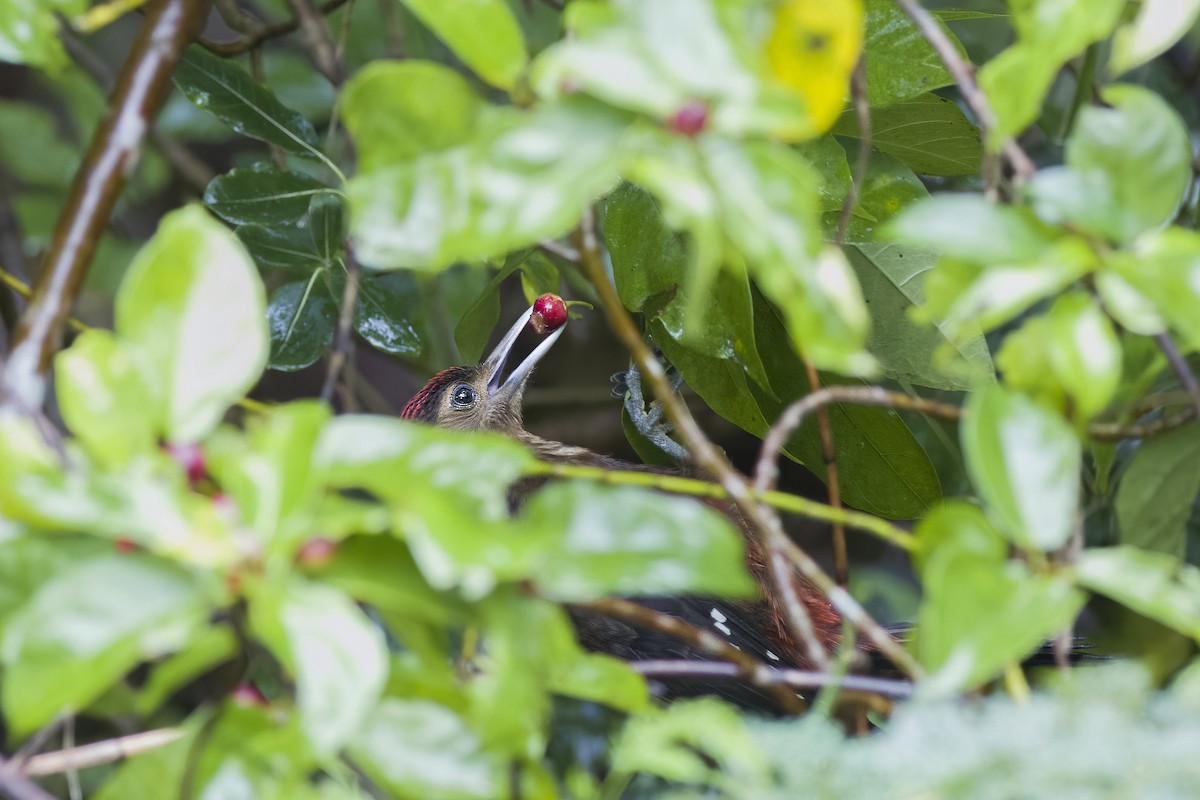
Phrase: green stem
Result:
[1083,89]
[693,487]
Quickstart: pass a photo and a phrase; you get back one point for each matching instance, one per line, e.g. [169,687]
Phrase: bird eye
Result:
[463,396]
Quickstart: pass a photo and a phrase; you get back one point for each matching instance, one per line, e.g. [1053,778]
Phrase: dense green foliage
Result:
[366,575]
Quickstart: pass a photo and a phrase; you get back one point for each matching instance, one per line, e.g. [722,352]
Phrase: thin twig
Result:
[318,41]
[343,340]
[1022,165]
[762,520]
[1179,365]
[104,752]
[1112,432]
[239,46]
[798,678]
[142,87]
[17,787]
[862,110]
[747,666]
[841,559]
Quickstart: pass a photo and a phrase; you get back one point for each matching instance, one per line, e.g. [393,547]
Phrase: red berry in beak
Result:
[690,120]
[124,545]
[247,695]
[549,313]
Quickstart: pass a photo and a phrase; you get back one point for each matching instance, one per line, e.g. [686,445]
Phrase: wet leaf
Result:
[301,316]
[263,194]
[484,34]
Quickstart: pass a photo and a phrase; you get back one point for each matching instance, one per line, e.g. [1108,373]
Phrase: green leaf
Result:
[301,317]
[900,62]
[204,652]
[228,92]
[1025,461]
[86,627]
[522,179]
[981,612]
[31,150]
[326,223]
[29,31]
[392,314]
[262,194]
[1156,585]
[484,34]
[970,228]
[398,110]
[928,133]
[337,655]
[1127,167]
[627,541]
[280,247]
[103,398]
[194,307]
[1157,26]
[1048,35]
[1155,496]
[477,322]
[1162,280]
[888,188]
[416,748]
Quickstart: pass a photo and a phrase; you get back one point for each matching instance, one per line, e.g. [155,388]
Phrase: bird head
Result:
[479,396]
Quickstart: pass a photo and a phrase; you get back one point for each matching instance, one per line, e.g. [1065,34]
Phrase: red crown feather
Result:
[423,405]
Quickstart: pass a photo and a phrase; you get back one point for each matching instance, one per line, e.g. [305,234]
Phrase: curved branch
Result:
[253,40]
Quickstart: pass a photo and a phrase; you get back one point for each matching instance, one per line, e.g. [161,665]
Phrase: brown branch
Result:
[798,678]
[1111,432]
[1179,365]
[745,665]
[239,46]
[1022,165]
[761,519]
[142,87]
[862,110]
[318,41]
[105,752]
[343,340]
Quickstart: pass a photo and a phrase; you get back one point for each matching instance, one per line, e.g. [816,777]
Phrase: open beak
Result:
[506,388]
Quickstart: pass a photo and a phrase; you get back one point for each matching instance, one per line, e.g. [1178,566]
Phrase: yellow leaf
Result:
[813,49]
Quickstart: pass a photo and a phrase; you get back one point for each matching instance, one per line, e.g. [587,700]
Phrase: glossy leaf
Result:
[628,541]
[1048,35]
[1157,26]
[417,748]
[518,182]
[194,307]
[392,315]
[388,111]
[1126,171]
[280,247]
[928,133]
[228,92]
[301,317]
[1157,585]
[337,655]
[72,641]
[900,63]
[1025,462]
[103,398]
[484,34]
[262,194]
[1157,491]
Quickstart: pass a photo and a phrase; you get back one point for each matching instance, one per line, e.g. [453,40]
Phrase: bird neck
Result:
[558,453]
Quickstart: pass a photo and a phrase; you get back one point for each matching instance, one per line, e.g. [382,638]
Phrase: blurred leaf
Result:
[399,110]
[968,227]
[539,276]
[1025,462]
[194,307]
[1128,166]
[86,627]
[29,31]
[336,654]
[813,48]
[1048,35]
[1155,496]
[31,150]
[1156,585]
[1161,281]
[928,133]
[416,748]
[206,650]
[103,398]
[484,34]
[1157,26]
[262,194]
[981,612]
[477,322]
[392,314]
[227,91]
[629,541]
[301,317]
[900,63]
[519,181]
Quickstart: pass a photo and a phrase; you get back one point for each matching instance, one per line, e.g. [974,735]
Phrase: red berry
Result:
[190,457]
[691,119]
[316,552]
[124,545]
[549,313]
[247,695]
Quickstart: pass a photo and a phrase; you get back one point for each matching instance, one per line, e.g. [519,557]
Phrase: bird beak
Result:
[497,384]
